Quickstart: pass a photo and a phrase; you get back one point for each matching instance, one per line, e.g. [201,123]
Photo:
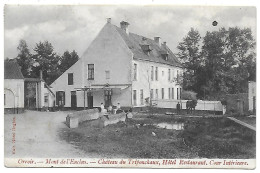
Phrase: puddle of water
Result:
[171,126]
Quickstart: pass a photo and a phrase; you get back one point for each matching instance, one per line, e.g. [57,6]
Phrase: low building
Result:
[13,88]
[38,95]
[120,67]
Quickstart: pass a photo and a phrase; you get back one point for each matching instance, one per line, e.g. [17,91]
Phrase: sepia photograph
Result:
[133,86]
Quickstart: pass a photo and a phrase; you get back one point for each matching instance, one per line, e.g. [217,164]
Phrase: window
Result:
[152,73]
[46,98]
[107,74]
[177,93]
[169,93]
[151,94]
[156,73]
[156,93]
[162,93]
[91,71]
[4,99]
[169,74]
[172,93]
[70,78]
[173,75]
[180,93]
[135,71]
[134,97]
[60,98]
[142,97]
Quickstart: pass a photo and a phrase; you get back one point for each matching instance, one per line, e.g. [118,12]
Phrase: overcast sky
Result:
[74,27]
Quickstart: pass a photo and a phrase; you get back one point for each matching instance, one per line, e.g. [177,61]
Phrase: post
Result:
[84,99]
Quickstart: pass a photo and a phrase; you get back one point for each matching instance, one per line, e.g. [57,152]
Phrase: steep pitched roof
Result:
[134,43]
[12,70]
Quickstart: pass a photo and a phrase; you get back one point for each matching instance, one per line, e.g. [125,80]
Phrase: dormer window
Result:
[146,48]
[164,55]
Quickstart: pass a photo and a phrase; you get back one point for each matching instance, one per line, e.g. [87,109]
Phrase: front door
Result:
[90,100]
[108,96]
[73,100]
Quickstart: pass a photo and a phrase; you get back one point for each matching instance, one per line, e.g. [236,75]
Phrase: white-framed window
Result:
[70,78]
[169,93]
[156,94]
[162,93]
[141,96]
[152,73]
[46,98]
[169,74]
[135,71]
[151,94]
[156,73]
[134,97]
[90,71]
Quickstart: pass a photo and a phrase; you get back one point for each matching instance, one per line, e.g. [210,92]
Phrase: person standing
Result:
[178,106]
[118,106]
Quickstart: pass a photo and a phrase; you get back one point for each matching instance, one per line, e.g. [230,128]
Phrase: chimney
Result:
[41,74]
[124,26]
[158,40]
[164,44]
[108,20]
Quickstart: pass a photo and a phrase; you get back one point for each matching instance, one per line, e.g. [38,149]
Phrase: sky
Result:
[75,27]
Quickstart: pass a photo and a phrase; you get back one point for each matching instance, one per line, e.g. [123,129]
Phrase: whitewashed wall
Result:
[251,93]
[144,80]
[202,105]
[16,97]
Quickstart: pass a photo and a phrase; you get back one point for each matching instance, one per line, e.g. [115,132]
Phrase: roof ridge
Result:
[134,41]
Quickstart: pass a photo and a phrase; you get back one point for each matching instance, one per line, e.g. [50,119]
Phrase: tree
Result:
[47,61]
[189,55]
[212,54]
[24,58]
[189,95]
[224,64]
[67,60]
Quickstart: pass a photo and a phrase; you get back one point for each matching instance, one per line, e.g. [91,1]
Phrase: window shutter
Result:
[64,97]
[57,95]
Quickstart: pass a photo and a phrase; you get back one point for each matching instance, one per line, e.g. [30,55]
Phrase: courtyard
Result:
[45,134]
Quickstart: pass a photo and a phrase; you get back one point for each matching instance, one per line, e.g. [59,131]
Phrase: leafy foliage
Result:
[24,58]
[67,60]
[224,63]
[44,59]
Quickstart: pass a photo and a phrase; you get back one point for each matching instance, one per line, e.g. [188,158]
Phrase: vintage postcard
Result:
[144,86]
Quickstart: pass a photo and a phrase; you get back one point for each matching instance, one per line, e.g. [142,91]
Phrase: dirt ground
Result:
[36,135]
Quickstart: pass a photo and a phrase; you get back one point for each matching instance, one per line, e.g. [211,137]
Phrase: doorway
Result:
[73,100]
[108,96]
[90,100]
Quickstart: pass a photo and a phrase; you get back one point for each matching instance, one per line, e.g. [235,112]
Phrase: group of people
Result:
[110,109]
[117,110]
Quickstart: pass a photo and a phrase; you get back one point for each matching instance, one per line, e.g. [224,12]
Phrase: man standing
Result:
[178,106]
